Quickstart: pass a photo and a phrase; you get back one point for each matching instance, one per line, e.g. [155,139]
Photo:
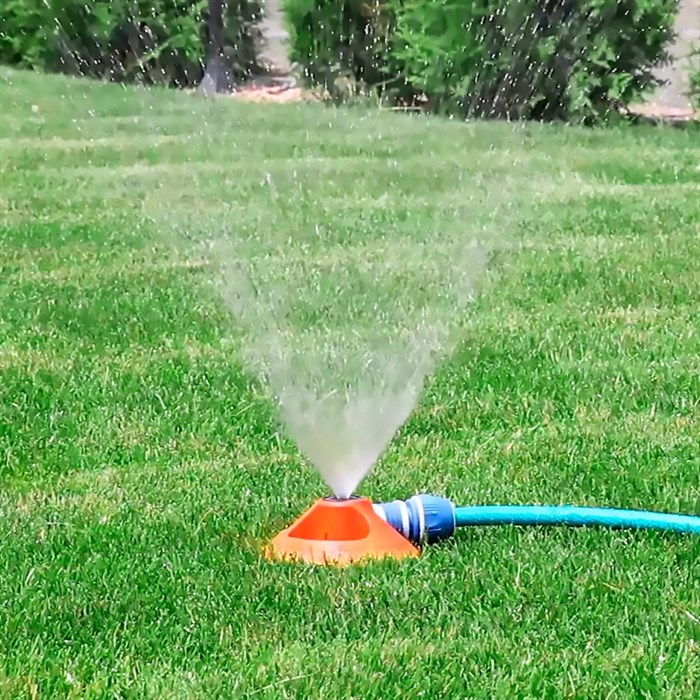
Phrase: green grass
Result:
[142,470]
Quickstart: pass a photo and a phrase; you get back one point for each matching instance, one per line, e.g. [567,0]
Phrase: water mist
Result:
[344,337]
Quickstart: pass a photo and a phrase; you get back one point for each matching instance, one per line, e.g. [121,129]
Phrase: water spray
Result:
[343,531]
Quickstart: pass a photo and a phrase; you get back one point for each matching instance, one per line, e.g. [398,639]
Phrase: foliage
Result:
[694,77]
[500,58]
[153,41]
[338,42]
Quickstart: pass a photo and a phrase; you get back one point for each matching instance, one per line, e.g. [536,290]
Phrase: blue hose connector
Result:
[422,519]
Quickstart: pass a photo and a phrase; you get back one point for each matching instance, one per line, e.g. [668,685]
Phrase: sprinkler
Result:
[340,531]
[343,531]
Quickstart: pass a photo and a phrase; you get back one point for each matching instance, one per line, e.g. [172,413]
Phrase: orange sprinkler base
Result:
[340,532]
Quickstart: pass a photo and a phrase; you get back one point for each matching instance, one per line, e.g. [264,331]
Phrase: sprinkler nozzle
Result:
[421,519]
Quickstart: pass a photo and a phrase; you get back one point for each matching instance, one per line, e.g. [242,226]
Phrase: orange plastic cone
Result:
[336,531]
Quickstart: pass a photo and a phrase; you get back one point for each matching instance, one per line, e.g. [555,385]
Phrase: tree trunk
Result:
[218,76]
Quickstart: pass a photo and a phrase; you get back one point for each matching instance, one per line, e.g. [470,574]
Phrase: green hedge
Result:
[151,41]
[544,59]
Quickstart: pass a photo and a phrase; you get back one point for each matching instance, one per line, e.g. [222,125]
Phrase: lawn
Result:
[143,468]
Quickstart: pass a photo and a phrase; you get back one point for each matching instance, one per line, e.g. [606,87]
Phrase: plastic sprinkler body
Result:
[340,531]
[422,519]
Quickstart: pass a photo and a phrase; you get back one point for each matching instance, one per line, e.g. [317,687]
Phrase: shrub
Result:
[334,40]
[152,41]
[541,59]
[694,78]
